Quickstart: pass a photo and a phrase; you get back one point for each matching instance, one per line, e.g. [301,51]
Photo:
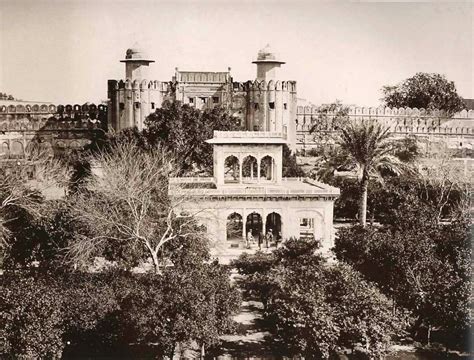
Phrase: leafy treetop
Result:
[424,90]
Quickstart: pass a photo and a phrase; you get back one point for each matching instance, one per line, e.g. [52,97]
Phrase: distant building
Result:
[52,129]
[264,104]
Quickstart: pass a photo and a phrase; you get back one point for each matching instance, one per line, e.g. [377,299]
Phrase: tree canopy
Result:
[315,309]
[365,147]
[184,130]
[429,91]
[424,268]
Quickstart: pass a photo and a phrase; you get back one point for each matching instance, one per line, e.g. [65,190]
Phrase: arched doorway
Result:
[266,168]
[234,227]
[231,170]
[253,225]
[249,169]
[273,224]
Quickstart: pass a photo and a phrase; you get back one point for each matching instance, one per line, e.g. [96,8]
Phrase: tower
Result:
[136,64]
[267,64]
[131,100]
[271,102]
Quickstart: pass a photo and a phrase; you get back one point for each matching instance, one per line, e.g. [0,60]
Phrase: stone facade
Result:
[263,104]
[430,128]
[54,129]
[249,199]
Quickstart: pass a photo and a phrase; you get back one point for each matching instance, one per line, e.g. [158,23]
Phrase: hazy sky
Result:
[64,51]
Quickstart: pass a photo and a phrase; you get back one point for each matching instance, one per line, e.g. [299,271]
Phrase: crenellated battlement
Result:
[90,110]
[53,128]
[432,124]
[261,85]
[35,117]
[128,84]
[387,111]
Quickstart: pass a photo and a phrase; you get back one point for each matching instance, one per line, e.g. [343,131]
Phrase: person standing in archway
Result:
[249,238]
[269,237]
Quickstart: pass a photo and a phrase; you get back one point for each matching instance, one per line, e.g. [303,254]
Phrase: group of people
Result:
[268,238]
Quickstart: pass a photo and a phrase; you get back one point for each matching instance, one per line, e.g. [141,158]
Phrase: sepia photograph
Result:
[236,179]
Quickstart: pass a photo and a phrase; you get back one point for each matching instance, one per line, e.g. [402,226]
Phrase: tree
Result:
[442,181]
[41,312]
[330,117]
[429,91]
[180,307]
[290,165]
[184,130]
[313,309]
[124,208]
[257,282]
[23,198]
[331,309]
[422,265]
[367,149]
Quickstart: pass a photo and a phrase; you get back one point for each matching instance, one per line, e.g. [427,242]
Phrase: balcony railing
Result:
[249,134]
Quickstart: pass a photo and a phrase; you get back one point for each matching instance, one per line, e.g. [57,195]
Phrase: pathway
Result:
[251,340]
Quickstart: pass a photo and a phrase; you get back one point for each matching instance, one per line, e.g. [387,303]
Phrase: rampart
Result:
[436,125]
[55,128]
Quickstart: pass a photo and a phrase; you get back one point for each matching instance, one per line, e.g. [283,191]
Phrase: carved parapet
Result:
[392,112]
[52,117]
[138,85]
[261,85]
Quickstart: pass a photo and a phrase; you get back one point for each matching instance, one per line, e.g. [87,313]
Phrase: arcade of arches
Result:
[249,170]
[239,230]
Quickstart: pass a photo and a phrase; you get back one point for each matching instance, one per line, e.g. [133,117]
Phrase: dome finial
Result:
[135,53]
[267,55]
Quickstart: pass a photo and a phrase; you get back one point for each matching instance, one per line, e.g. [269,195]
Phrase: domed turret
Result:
[267,64]
[136,54]
[267,55]
[136,63]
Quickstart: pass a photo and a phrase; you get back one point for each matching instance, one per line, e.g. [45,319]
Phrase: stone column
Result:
[258,170]
[241,163]
[271,170]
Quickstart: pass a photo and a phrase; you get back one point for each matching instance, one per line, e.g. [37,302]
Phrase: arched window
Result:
[249,169]
[234,227]
[231,170]
[267,166]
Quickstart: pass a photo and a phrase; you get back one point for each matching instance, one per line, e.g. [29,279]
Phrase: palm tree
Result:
[365,147]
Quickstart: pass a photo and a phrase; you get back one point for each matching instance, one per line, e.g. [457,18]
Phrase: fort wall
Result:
[457,131]
[53,128]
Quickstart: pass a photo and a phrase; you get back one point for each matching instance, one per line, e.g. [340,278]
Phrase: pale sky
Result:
[64,51]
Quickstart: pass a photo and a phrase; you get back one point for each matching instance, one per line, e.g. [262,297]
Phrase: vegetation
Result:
[67,289]
[315,310]
[424,90]
[124,210]
[184,130]
[48,315]
[290,166]
[365,148]
[424,267]
[57,300]
[5,96]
